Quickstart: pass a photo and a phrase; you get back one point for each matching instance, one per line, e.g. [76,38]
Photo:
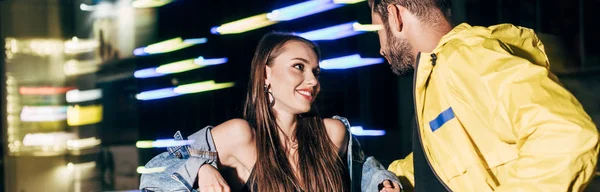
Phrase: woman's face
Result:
[293,77]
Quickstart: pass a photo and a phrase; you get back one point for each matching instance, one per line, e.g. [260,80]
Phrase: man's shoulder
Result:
[478,62]
[478,55]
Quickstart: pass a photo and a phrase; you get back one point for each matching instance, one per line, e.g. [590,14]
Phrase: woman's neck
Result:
[287,124]
[287,127]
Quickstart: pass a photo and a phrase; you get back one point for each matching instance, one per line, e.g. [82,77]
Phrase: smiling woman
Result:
[287,66]
[292,76]
[282,143]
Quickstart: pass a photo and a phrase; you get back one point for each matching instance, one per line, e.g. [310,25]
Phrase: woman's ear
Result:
[268,74]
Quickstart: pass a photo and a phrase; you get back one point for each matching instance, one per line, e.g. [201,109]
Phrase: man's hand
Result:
[389,186]
[210,180]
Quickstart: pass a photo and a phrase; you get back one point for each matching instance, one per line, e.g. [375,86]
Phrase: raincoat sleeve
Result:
[404,169]
[556,139]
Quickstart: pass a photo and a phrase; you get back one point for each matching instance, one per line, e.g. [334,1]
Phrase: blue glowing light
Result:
[215,61]
[162,143]
[332,33]
[350,61]
[156,94]
[147,73]
[195,41]
[359,131]
[301,10]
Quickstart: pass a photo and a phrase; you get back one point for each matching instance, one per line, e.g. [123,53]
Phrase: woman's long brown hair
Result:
[320,166]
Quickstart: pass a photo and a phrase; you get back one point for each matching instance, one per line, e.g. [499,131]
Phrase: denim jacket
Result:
[177,169]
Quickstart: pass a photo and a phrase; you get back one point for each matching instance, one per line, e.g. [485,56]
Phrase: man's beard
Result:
[399,54]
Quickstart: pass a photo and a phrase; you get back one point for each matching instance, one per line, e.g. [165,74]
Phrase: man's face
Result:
[394,47]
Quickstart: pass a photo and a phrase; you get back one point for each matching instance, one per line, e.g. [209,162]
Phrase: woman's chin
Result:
[302,110]
[305,110]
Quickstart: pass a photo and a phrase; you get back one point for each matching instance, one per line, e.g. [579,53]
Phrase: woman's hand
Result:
[210,180]
[389,186]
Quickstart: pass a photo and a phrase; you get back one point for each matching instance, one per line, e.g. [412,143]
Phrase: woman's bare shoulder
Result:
[336,130]
[232,136]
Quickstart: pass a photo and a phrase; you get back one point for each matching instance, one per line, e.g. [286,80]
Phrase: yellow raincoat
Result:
[493,118]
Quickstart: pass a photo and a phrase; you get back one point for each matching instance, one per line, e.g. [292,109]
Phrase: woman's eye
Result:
[299,66]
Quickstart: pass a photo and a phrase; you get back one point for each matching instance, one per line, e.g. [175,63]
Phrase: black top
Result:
[249,185]
[425,179]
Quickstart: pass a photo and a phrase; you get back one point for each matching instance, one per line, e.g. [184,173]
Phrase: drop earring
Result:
[270,97]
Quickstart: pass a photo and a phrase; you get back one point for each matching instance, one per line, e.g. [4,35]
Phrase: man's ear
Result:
[395,18]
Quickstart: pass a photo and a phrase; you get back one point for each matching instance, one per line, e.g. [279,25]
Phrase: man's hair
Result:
[423,9]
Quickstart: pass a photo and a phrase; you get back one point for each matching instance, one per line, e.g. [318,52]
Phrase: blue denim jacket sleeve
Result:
[177,169]
[365,173]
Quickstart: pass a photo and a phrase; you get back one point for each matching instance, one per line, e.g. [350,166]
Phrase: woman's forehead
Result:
[296,49]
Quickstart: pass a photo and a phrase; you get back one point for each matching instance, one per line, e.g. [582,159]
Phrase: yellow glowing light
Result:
[167,46]
[86,165]
[47,139]
[149,3]
[143,170]
[75,67]
[78,115]
[177,67]
[83,143]
[74,96]
[347,1]
[12,108]
[201,87]
[45,47]
[12,46]
[366,27]
[143,144]
[243,25]
[76,45]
